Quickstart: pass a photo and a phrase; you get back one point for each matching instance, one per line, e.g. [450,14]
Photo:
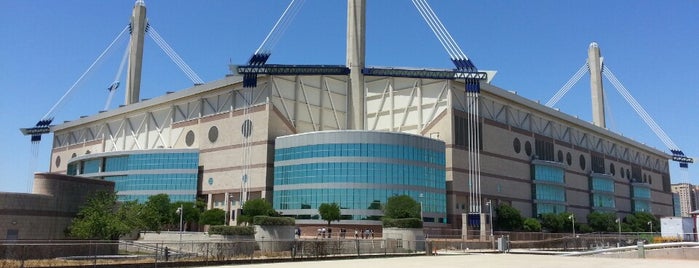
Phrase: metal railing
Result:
[105,253]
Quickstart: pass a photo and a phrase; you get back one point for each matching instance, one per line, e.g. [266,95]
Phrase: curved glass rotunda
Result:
[358,170]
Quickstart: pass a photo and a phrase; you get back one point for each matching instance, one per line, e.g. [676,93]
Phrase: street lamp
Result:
[618,222]
[572,218]
[421,196]
[650,223]
[229,208]
[180,211]
[490,216]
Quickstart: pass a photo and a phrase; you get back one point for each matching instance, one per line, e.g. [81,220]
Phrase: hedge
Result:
[231,230]
[402,223]
[267,220]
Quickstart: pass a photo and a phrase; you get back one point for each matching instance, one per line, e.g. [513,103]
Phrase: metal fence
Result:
[188,253]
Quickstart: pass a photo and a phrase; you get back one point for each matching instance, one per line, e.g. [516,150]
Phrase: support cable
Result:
[434,29]
[639,109]
[174,56]
[568,85]
[280,27]
[51,111]
[113,87]
[457,50]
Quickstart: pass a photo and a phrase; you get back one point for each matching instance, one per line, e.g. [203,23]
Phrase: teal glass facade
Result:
[640,197]
[602,192]
[140,174]
[358,170]
[548,189]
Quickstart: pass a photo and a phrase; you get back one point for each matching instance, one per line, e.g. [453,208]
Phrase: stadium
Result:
[303,135]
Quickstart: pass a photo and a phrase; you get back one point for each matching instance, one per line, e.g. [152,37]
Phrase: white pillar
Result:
[356,32]
[138,32]
[594,61]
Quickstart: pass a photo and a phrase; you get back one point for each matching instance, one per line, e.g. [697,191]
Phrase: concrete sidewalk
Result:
[484,260]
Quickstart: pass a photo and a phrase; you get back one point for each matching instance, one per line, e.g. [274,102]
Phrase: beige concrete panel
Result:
[441,129]
[34,227]
[278,126]
[503,144]
[525,208]
[504,167]
[577,198]
[514,189]
[623,204]
[577,181]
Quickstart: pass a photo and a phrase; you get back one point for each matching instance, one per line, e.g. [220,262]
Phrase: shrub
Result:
[402,223]
[532,225]
[214,216]
[232,230]
[267,220]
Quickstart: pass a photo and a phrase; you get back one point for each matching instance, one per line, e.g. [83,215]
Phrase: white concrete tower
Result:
[138,33]
[594,61]
[356,31]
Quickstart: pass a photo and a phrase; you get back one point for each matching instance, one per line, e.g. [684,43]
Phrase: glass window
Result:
[547,173]
[602,184]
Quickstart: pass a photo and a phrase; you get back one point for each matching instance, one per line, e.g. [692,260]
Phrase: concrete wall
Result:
[46,214]
[268,237]
[681,228]
[667,253]
[412,238]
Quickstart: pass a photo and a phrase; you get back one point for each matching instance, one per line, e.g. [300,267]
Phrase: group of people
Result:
[365,234]
[327,233]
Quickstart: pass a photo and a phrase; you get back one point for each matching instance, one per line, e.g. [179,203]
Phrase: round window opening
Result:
[517,145]
[58,161]
[560,156]
[569,159]
[528,148]
[189,139]
[611,169]
[582,162]
[213,134]
[246,128]
[73,155]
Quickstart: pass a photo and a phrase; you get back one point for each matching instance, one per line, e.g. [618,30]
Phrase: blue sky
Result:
[535,46]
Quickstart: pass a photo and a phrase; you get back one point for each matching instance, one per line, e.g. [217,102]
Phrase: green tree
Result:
[508,219]
[584,228]
[104,219]
[638,222]
[532,225]
[214,216]
[557,223]
[256,207]
[401,207]
[191,213]
[602,221]
[157,212]
[329,212]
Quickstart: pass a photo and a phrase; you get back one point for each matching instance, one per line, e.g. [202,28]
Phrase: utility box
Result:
[503,244]
[680,228]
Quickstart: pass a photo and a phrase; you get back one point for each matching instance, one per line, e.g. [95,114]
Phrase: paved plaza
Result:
[485,260]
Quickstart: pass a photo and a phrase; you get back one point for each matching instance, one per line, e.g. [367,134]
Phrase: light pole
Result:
[572,219]
[179,211]
[618,222]
[650,223]
[421,196]
[490,216]
[229,207]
